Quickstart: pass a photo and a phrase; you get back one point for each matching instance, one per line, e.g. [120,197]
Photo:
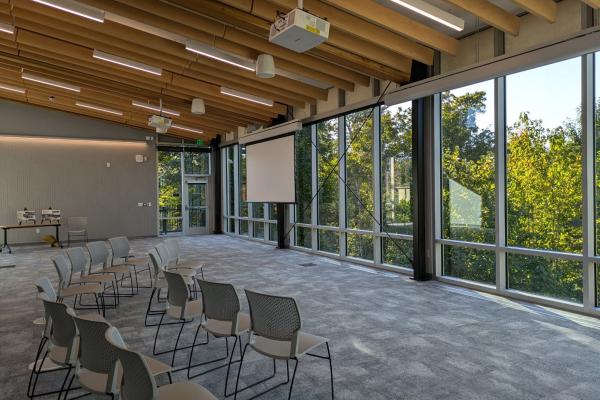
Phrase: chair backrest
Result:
[44,286]
[96,354]
[79,261]
[77,223]
[173,249]
[98,254]
[120,247]
[64,331]
[179,292]
[163,253]
[220,301]
[63,268]
[156,262]
[113,337]
[274,317]
[138,382]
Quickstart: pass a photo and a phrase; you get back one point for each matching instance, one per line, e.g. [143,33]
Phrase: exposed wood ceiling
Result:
[368,39]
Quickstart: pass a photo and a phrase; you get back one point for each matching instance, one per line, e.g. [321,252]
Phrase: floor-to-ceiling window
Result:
[304,148]
[544,178]
[396,184]
[468,180]
[169,192]
[328,199]
[243,205]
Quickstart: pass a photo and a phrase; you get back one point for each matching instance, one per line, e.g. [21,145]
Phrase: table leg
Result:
[58,237]
[6,242]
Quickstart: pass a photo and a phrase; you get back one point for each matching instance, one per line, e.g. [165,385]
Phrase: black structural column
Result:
[419,71]
[216,173]
[283,241]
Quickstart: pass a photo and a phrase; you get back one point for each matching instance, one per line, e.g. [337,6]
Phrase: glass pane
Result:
[562,279]
[303,237]
[273,232]
[544,158]
[597,145]
[468,188]
[359,170]
[230,181]
[169,189]
[397,252]
[328,198]
[396,168]
[231,225]
[359,246]
[197,163]
[244,227]
[303,175]
[273,211]
[329,241]
[197,217]
[259,230]
[243,204]
[470,264]
[258,210]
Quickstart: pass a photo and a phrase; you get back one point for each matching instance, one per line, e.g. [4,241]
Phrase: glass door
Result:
[196,207]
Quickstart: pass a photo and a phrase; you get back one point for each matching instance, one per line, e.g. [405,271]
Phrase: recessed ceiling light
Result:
[246,96]
[98,108]
[148,106]
[74,7]
[100,55]
[12,88]
[216,54]
[50,82]
[432,12]
[186,128]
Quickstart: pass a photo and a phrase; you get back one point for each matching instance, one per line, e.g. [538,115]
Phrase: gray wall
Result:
[72,175]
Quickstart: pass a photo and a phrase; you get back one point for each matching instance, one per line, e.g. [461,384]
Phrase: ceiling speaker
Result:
[265,66]
[198,106]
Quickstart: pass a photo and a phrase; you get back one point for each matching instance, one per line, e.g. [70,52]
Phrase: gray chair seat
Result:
[192,309]
[223,328]
[79,232]
[117,269]
[58,355]
[98,278]
[282,348]
[94,382]
[191,265]
[138,262]
[184,391]
[90,288]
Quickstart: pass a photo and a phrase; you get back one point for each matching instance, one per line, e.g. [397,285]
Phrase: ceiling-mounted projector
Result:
[162,124]
[299,31]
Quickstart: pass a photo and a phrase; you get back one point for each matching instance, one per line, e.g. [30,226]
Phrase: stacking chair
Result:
[45,292]
[186,270]
[223,319]
[96,369]
[63,343]
[121,254]
[276,333]
[139,384]
[80,266]
[174,257]
[179,308]
[66,289]
[77,228]
[158,284]
[99,256]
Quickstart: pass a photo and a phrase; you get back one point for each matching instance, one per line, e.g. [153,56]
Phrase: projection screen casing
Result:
[270,171]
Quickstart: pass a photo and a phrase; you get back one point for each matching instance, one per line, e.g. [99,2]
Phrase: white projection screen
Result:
[270,171]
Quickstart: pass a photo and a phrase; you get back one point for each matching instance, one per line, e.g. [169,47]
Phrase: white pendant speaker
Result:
[198,106]
[265,66]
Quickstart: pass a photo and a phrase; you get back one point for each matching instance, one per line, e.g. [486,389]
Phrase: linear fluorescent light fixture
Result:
[50,82]
[100,55]
[216,54]
[186,128]
[98,108]
[12,88]
[432,12]
[246,96]
[74,7]
[7,28]
[148,106]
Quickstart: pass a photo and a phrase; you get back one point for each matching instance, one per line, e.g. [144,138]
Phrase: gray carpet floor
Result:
[391,337]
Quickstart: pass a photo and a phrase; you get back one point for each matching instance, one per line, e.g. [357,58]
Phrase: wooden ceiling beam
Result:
[396,22]
[592,3]
[312,68]
[545,9]
[121,37]
[492,14]
[360,28]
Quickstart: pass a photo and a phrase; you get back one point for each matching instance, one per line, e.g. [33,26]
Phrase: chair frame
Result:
[105,265]
[116,255]
[70,233]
